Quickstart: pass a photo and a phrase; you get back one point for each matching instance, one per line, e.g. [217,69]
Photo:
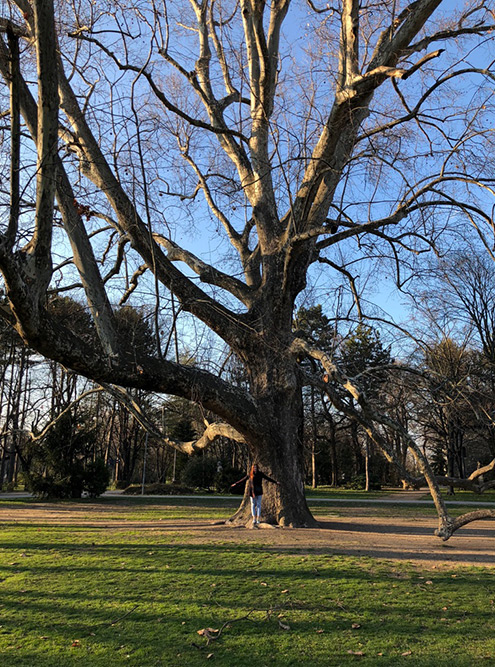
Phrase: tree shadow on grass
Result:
[121,614]
[411,541]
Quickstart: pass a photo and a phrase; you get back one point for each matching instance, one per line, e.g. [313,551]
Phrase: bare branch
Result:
[367,417]
[207,273]
[416,110]
[210,434]
[126,67]
[482,471]
[444,35]
[47,135]
[15,137]
[351,107]
[449,528]
[351,280]
[39,436]
[81,246]
[194,299]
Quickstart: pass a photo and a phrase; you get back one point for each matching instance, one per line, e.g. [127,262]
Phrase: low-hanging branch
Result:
[359,409]
[210,434]
[475,482]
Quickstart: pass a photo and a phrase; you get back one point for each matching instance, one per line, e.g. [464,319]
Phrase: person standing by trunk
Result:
[255,482]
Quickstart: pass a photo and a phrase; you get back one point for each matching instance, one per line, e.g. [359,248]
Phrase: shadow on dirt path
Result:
[399,539]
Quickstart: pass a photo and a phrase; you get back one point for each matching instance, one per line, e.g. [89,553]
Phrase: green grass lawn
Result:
[329,492]
[115,595]
[487,497]
[340,492]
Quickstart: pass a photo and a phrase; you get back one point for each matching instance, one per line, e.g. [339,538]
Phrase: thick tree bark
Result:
[280,456]
[277,444]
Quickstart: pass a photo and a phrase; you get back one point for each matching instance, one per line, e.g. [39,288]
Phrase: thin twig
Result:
[117,620]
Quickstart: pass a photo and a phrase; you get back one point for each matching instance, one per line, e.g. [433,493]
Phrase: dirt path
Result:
[398,539]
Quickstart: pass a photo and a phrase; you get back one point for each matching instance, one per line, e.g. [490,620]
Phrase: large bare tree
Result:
[306,136]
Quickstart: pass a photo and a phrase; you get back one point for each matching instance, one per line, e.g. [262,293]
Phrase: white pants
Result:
[256,506]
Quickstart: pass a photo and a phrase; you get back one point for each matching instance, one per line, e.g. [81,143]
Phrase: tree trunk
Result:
[3,462]
[277,448]
[314,435]
[314,479]
[367,464]
[284,504]
[333,451]
[11,457]
[450,457]
[356,445]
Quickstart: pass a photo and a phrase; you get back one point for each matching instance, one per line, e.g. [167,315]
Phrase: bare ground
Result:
[395,539]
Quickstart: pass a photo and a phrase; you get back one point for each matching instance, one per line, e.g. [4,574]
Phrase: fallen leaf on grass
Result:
[284,626]
[320,632]
[355,626]
[285,591]
[76,643]
[209,656]
[407,653]
[207,632]
[359,653]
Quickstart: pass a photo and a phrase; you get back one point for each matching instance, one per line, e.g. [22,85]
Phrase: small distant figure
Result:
[255,481]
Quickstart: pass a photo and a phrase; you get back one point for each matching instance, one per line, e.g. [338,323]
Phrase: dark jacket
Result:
[255,487]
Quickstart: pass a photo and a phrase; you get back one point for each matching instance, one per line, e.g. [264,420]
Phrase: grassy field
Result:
[114,594]
[329,492]
[467,496]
